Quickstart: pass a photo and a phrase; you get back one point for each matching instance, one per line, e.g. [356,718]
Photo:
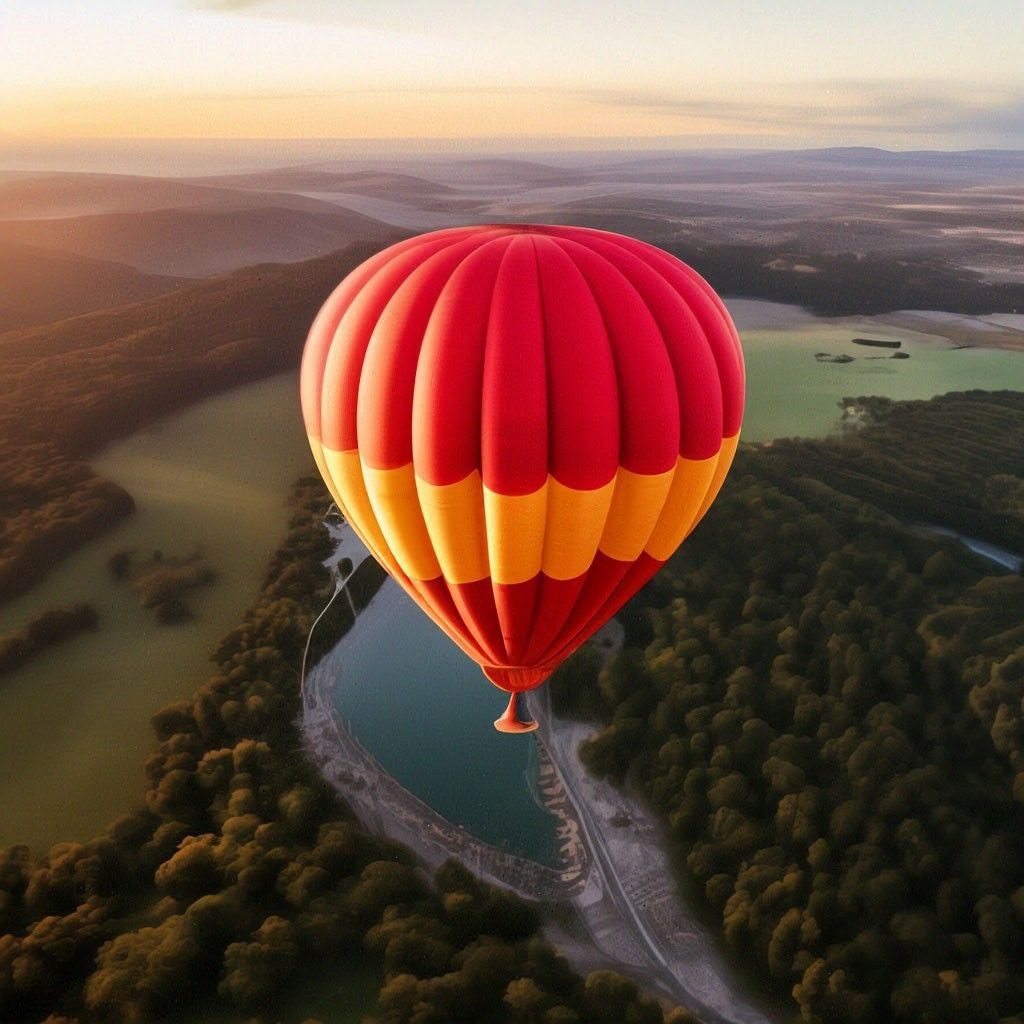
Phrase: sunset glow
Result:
[740,73]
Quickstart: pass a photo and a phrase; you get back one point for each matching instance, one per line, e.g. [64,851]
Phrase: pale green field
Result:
[74,722]
[74,726]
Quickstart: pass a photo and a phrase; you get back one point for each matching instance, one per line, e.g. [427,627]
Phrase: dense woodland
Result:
[73,386]
[954,461]
[847,283]
[76,384]
[242,874]
[826,708]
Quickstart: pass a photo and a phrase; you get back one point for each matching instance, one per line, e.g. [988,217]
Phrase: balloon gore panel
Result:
[522,423]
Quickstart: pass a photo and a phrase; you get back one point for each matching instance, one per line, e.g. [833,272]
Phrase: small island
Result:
[878,342]
[163,582]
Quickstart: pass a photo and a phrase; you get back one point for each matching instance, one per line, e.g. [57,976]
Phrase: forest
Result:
[823,705]
[825,708]
[849,283]
[953,461]
[73,386]
[242,876]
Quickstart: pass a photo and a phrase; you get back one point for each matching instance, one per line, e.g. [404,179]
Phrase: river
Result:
[425,710]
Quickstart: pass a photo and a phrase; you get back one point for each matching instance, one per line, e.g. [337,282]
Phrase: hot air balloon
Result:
[522,423]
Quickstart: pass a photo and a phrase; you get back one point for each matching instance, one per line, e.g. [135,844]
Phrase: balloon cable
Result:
[340,584]
[508,722]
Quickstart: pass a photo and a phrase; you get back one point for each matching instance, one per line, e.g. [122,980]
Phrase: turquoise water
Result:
[74,722]
[426,712]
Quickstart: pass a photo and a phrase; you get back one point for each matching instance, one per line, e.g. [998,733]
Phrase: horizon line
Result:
[586,143]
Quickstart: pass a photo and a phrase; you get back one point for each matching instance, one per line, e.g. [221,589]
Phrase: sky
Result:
[902,74]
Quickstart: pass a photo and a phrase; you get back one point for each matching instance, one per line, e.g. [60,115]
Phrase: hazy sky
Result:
[895,73]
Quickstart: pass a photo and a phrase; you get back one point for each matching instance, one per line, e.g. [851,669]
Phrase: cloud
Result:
[874,106]
[226,5]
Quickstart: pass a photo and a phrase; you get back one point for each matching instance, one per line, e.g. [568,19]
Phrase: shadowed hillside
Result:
[41,286]
[69,194]
[73,386]
[201,242]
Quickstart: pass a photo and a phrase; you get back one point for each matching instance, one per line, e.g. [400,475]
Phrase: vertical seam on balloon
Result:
[369,500]
[668,357]
[480,425]
[632,256]
[466,626]
[547,405]
[371,266]
[666,259]
[661,337]
[487,344]
[717,307]
[718,383]
[604,612]
[545,654]
[423,240]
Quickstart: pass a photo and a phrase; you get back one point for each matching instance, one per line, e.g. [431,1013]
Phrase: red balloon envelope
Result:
[522,423]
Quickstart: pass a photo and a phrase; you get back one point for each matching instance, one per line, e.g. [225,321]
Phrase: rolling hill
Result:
[74,194]
[72,386]
[42,286]
[203,241]
[375,183]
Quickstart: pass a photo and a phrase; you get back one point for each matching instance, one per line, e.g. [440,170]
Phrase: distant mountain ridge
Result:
[316,178]
[73,194]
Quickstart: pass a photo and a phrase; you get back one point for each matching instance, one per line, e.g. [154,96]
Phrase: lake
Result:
[74,722]
[789,393]
[425,710]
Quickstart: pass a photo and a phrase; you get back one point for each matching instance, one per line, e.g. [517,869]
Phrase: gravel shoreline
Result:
[613,902]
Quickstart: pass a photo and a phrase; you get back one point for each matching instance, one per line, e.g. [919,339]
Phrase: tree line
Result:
[243,872]
[825,708]
[72,386]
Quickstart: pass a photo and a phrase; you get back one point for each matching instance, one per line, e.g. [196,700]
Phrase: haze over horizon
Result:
[928,74]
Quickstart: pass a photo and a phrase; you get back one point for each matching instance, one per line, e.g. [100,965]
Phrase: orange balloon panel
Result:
[522,423]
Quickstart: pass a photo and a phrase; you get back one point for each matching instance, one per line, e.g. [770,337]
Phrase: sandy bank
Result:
[613,902]
[960,330]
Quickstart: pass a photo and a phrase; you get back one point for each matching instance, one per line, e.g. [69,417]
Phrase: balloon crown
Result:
[522,422]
